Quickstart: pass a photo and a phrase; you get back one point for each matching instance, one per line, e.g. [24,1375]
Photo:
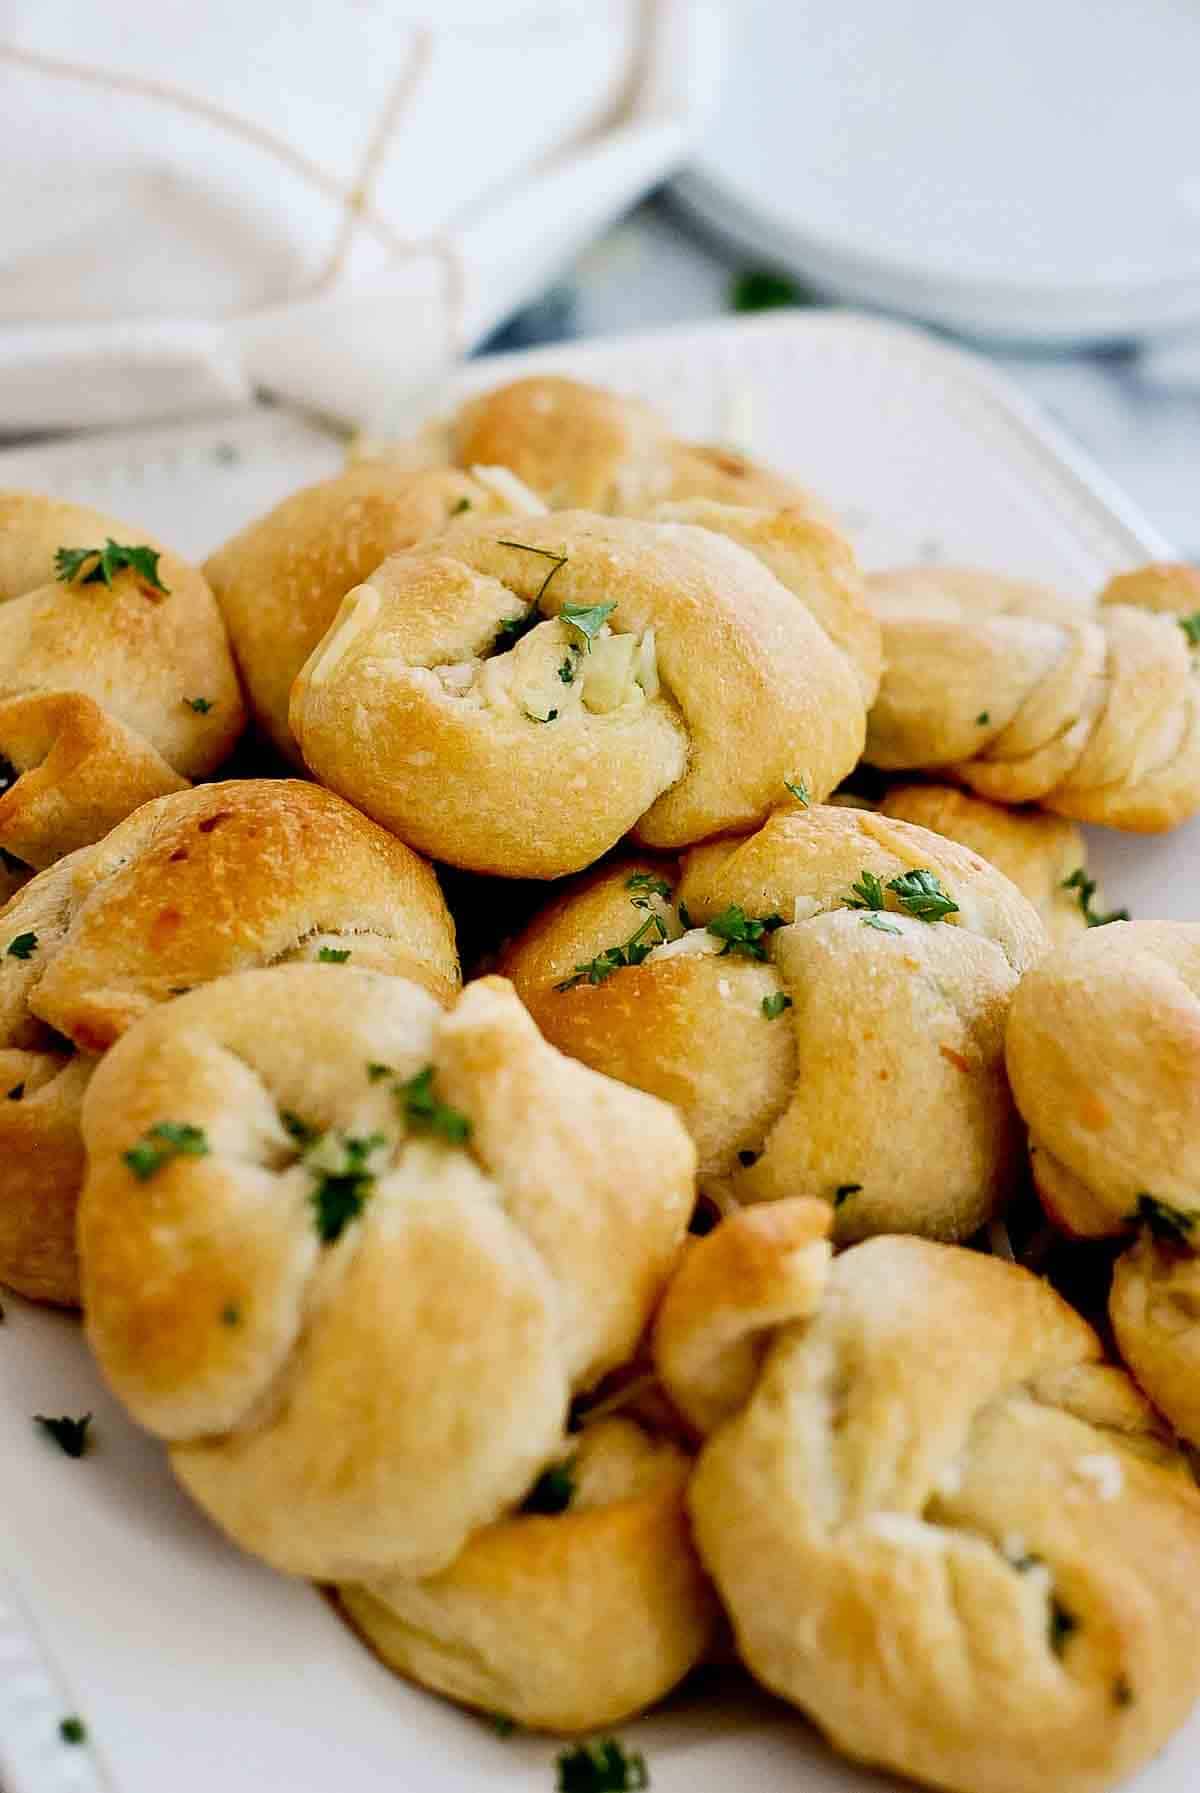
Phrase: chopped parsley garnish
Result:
[512,628]
[70,1435]
[876,921]
[685,920]
[773,1006]
[16,1092]
[919,892]
[464,504]
[1171,1225]
[982,720]
[844,1191]
[560,560]
[342,1192]
[1086,887]
[201,705]
[68,564]
[72,1730]
[160,1143]
[1122,1692]
[762,289]
[798,786]
[566,671]
[1191,628]
[553,1491]
[22,947]
[377,1072]
[922,895]
[333,955]
[743,933]
[652,885]
[425,1113]
[867,893]
[501,1723]
[601,1766]
[589,619]
[1063,1625]
[616,958]
[550,716]
[231,1314]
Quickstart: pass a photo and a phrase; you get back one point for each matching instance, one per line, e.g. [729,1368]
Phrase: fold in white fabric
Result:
[329,202]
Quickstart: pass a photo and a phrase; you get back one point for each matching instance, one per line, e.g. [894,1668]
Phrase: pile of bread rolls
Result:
[704,1262]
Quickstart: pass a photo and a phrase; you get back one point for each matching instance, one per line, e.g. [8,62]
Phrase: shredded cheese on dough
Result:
[696,943]
[1103,1471]
[504,483]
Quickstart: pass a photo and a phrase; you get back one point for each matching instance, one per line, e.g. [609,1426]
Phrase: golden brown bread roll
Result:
[1104,1056]
[854,1054]
[940,1524]
[561,1620]
[581,447]
[1028,697]
[351,1255]
[814,562]
[280,580]
[1169,585]
[189,888]
[661,645]
[1043,855]
[116,682]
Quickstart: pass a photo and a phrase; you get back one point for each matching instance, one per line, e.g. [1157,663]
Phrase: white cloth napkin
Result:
[330,201]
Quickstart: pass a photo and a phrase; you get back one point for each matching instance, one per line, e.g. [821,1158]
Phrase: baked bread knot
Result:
[812,560]
[1027,696]
[583,448]
[1043,855]
[577,1611]
[351,1255]
[824,1001]
[515,700]
[190,888]
[940,1524]
[1104,1056]
[116,680]
[1168,585]
[279,581]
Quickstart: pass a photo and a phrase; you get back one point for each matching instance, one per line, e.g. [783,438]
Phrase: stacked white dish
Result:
[1017,173]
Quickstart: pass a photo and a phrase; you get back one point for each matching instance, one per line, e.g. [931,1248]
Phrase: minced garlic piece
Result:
[512,490]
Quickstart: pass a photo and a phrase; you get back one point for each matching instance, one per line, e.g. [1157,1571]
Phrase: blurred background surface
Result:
[331,206]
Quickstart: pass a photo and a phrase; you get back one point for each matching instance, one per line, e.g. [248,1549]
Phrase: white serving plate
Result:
[1011,171]
[195,1667]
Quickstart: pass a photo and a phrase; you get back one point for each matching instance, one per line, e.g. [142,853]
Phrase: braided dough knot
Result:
[853,1053]
[516,697]
[358,1297]
[939,1523]
[1025,696]
[1104,1056]
[110,693]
